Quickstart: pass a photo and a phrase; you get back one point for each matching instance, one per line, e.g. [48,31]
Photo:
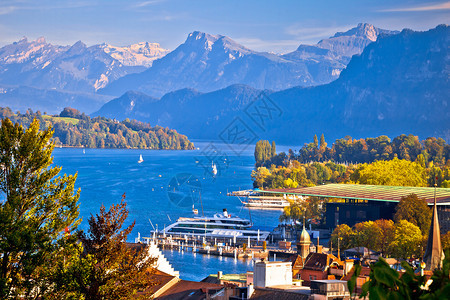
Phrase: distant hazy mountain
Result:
[209,62]
[399,84]
[51,101]
[72,68]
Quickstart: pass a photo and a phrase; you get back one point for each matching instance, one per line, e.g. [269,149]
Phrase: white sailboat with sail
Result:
[140,159]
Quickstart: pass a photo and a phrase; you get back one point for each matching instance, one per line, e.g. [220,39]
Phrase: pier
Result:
[215,246]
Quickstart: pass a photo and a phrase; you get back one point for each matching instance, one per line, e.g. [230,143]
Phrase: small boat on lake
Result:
[214,169]
[140,159]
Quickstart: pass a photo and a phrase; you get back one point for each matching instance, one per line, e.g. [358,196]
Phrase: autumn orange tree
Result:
[106,267]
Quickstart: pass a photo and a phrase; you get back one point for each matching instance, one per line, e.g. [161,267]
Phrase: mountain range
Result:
[398,84]
[30,71]
[209,62]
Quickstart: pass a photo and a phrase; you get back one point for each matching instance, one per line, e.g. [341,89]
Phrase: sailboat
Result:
[140,159]
[214,169]
[194,210]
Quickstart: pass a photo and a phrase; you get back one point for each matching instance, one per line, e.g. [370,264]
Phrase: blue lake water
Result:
[105,174]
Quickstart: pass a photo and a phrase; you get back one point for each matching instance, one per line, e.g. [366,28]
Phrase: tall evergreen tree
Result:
[36,207]
[316,142]
[273,149]
[323,144]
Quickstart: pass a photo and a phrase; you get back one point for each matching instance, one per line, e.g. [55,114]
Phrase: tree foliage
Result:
[414,210]
[107,268]
[405,161]
[407,240]
[401,240]
[343,235]
[347,149]
[78,130]
[36,207]
[264,152]
[394,172]
[386,283]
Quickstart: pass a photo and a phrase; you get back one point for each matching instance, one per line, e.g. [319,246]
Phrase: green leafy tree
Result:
[414,210]
[386,283]
[407,240]
[316,142]
[273,150]
[345,235]
[37,205]
[394,172]
[367,234]
[107,268]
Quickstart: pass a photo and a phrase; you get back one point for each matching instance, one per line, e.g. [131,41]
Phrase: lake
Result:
[105,174]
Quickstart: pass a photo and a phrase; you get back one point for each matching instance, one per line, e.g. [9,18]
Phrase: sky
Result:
[273,26]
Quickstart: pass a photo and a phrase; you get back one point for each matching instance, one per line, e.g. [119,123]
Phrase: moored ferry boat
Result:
[220,226]
[259,199]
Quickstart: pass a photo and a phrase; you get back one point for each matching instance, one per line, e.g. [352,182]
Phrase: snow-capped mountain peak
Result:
[140,54]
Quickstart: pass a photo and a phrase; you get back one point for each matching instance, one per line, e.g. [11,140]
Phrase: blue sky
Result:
[278,26]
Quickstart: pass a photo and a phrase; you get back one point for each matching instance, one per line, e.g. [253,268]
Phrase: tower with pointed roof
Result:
[433,254]
[304,243]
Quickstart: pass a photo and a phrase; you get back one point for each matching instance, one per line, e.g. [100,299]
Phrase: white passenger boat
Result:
[265,202]
[220,226]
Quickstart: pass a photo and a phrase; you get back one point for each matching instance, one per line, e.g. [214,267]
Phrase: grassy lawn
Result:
[64,119]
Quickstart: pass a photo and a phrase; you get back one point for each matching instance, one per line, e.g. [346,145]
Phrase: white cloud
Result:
[5,10]
[432,7]
[147,3]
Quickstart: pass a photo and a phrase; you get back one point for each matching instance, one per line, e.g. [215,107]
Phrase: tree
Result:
[386,235]
[445,240]
[394,172]
[107,268]
[316,142]
[407,240]
[273,150]
[70,113]
[37,206]
[345,235]
[414,210]
[367,234]
[386,283]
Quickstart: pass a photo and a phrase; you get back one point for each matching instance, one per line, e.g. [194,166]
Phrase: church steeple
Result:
[433,254]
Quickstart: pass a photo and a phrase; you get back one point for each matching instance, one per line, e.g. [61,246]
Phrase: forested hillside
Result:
[75,129]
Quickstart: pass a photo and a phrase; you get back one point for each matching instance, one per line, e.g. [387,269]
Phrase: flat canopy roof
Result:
[368,192]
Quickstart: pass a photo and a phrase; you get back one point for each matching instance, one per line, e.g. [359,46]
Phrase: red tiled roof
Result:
[316,261]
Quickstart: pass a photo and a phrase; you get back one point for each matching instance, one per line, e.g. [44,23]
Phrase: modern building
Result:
[353,203]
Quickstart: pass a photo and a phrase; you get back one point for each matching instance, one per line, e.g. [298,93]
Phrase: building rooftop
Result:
[185,289]
[281,294]
[213,278]
[368,192]
[316,261]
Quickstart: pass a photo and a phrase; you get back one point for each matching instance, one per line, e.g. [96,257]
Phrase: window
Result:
[312,277]
[361,214]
